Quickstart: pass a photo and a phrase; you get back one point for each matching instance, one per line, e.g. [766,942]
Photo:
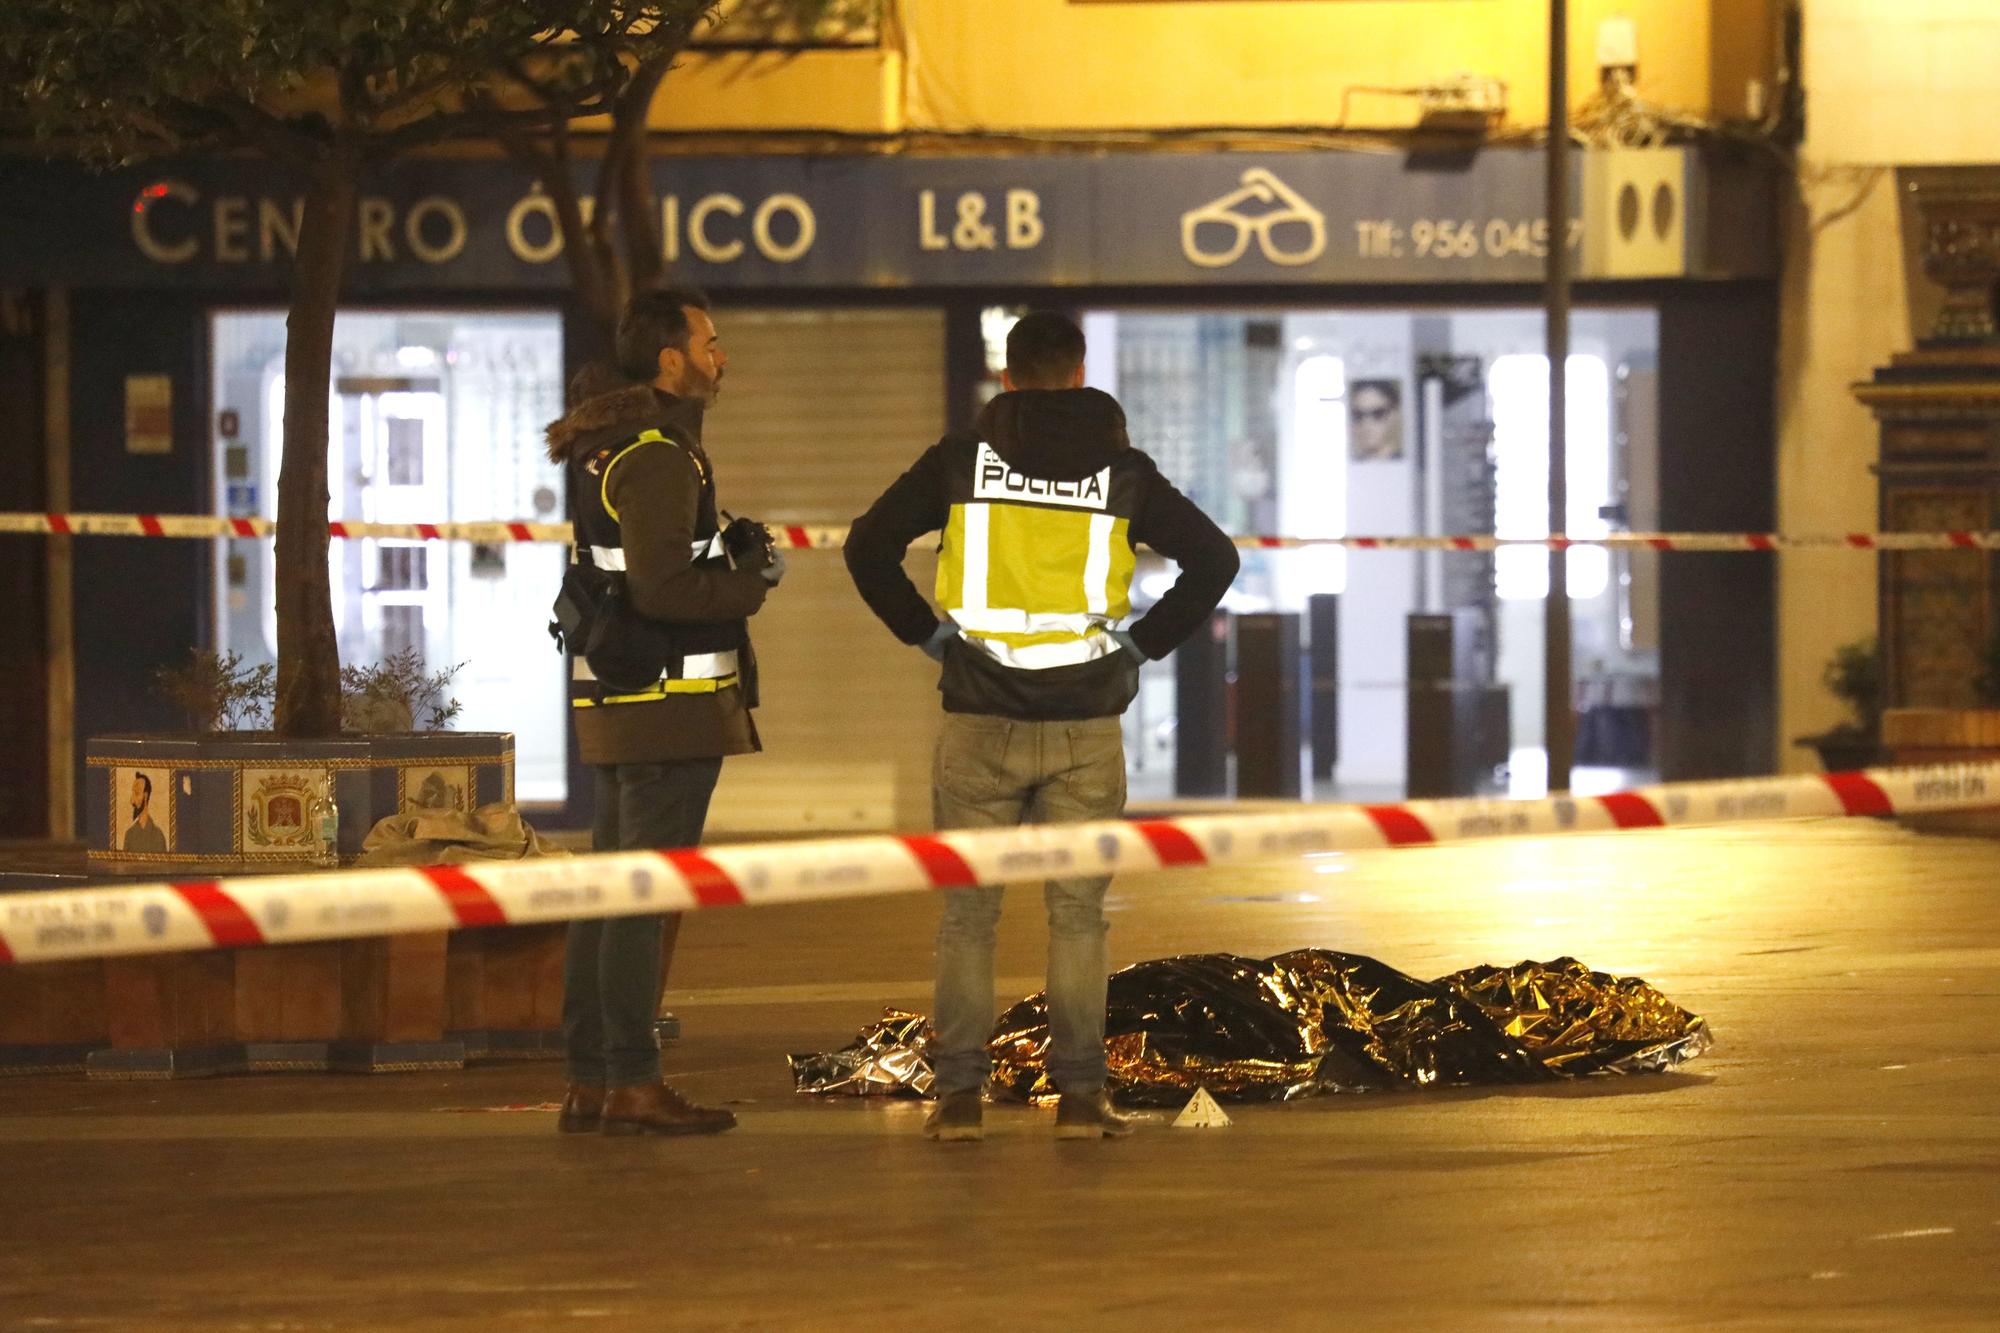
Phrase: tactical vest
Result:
[1035,570]
[671,659]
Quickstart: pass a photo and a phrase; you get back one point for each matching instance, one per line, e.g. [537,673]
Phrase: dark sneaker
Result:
[582,1109]
[655,1108]
[1088,1115]
[957,1118]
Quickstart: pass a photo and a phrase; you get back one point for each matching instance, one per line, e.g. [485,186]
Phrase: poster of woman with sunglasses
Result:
[1375,421]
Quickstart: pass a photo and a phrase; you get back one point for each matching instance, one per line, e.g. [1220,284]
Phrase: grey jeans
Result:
[997,772]
[613,967]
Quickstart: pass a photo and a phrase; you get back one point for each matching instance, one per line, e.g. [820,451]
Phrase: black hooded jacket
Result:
[1061,435]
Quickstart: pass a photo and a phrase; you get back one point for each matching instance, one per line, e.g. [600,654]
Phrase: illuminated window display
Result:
[1393,423]
[434,416]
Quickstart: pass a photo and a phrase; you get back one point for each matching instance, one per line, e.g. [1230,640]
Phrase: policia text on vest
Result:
[994,480]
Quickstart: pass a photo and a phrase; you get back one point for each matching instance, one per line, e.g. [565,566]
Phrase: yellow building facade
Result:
[983,66]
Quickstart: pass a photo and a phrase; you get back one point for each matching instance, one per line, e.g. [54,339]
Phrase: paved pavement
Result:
[1834,1163]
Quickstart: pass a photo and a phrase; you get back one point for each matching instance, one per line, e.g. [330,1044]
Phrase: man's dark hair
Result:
[653,322]
[1389,389]
[149,786]
[1044,348]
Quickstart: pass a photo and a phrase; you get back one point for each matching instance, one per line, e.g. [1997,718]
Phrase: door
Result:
[390,438]
[821,411]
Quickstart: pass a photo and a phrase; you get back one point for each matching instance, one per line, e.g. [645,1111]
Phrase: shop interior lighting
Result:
[1518,386]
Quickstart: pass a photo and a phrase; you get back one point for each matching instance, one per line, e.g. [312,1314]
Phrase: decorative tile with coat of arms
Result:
[281,808]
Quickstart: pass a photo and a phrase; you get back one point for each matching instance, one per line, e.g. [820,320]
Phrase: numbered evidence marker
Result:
[1201,1112]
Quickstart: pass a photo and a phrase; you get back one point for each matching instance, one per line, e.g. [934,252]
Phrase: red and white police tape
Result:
[805,537]
[282,909]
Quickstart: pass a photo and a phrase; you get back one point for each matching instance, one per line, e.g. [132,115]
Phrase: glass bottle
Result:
[329,830]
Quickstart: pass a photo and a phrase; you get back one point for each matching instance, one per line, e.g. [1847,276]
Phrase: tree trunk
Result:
[308,703]
[594,285]
[638,212]
[554,166]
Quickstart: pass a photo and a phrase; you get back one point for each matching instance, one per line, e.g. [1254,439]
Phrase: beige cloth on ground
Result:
[427,837]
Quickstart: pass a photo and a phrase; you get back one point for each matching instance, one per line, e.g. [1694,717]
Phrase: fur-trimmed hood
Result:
[620,414]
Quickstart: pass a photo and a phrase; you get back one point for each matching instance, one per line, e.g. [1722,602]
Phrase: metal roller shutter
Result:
[821,410]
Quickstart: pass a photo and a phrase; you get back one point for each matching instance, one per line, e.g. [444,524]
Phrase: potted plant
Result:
[231,794]
[1852,675]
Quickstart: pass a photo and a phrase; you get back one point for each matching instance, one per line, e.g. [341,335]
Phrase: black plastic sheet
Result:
[1307,1022]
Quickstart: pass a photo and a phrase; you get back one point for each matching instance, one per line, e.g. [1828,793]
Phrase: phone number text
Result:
[1453,238]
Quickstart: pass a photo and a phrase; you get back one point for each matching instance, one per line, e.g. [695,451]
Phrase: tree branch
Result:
[276,138]
[452,72]
[527,153]
[481,121]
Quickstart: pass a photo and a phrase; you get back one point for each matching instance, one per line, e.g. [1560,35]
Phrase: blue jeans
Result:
[614,967]
[997,772]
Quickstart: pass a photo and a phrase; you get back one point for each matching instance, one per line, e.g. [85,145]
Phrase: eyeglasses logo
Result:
[1287,229]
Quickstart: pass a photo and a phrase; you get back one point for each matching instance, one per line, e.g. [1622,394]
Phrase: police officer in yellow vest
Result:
[663,680]
[1040,507]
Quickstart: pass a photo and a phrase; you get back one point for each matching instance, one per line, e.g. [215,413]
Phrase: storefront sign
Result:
[859,222]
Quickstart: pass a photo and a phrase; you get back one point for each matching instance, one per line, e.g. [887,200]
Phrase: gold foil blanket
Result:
[1307,1022]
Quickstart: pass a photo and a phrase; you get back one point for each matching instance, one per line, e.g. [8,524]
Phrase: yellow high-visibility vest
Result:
[1036,570]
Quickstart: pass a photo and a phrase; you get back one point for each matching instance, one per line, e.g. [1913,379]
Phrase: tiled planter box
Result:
[234,804]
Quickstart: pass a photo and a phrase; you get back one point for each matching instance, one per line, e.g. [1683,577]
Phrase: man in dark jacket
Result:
[1040,508]
[665,690]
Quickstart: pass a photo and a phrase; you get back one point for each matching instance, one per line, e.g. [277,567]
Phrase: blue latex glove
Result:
[774,571]
[1124,640]
[933,647]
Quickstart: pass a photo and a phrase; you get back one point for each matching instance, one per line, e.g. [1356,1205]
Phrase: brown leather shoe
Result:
[655,1108]
[582,1109]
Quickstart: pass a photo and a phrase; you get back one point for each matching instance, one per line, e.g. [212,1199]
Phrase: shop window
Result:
[433,416]
[1518,386]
